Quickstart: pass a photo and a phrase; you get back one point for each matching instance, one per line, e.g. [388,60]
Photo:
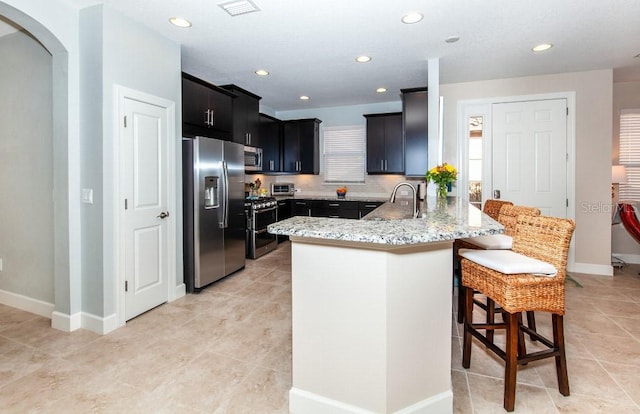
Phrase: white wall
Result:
[593,91]
[625,95]
[26,168]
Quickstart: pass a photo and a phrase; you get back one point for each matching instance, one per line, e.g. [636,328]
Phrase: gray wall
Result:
[115,51]
[26,168]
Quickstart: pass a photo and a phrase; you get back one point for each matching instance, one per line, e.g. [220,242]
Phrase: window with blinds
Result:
[344,154]
[630,153]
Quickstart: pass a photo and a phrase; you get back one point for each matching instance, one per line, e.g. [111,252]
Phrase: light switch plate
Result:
[87,195]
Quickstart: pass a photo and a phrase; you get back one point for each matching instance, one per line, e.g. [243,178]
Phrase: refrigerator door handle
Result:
[225,196]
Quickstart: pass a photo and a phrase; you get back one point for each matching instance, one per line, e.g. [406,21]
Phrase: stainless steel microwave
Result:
[252,158]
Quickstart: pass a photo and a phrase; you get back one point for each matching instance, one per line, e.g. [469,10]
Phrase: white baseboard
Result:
[627,258]
[301,401]
[83,320]
[179,292]
[26,303]
[99,324]
[592,269]
[65,322]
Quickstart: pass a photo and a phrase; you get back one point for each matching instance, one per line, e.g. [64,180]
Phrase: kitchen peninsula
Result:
[371,307]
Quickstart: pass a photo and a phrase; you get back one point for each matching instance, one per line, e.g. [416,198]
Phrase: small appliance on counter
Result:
[282,189]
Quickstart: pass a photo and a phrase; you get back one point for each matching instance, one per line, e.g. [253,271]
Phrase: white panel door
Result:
[145,218]
[529,154]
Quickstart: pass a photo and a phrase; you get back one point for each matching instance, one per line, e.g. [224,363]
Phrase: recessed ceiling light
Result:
[381,90]
[452,39]
[542,47]
[261,72]
[304,98]
[180,22]
[363,59]
[413,17]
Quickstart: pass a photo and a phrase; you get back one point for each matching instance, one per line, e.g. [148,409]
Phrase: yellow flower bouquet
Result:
[443,175]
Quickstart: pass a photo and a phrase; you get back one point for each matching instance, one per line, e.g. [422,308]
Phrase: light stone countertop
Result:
[334,198]
[392,224]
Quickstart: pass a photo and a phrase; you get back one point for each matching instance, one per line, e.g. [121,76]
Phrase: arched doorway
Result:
[65,161]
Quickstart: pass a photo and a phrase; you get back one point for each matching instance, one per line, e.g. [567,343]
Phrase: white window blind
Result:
[344,154]
[630,153]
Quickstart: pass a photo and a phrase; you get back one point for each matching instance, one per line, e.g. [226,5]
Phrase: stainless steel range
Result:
[260,213]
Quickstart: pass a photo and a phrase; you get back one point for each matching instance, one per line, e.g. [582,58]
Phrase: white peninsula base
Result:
[371,327]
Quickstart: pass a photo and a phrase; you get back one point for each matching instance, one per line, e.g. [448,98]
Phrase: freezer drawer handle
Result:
[163,215]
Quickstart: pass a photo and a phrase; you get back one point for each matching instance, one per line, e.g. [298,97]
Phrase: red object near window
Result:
[627,213]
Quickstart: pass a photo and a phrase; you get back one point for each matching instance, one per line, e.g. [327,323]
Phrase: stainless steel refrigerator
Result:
[214,217]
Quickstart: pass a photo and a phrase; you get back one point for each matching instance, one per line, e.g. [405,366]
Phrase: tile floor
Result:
[228,350]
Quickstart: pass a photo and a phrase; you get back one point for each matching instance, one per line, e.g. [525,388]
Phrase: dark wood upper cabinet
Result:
[246,118]
[415,121]
[206,109]
[300,146]
[385,143]
[271,143]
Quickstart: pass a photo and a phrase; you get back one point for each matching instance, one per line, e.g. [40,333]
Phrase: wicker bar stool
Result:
[507,217]
[492,209]
[530,277]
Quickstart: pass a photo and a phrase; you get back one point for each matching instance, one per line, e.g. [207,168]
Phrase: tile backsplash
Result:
[314,185]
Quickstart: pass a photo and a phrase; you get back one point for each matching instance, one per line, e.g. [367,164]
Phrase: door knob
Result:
[496,194]
[163,215]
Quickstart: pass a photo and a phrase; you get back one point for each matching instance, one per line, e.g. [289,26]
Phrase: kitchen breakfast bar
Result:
[371,307]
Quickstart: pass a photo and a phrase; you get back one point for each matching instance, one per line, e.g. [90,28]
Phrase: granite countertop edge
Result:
[392,224]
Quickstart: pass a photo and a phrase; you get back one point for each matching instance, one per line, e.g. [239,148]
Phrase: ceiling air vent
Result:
[237,7]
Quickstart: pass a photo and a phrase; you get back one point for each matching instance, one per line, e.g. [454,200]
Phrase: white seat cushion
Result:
[509,262]
[492,242]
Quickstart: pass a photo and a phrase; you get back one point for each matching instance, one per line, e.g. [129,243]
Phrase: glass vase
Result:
[442,190]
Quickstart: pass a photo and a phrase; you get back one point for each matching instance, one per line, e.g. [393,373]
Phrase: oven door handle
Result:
[265,210]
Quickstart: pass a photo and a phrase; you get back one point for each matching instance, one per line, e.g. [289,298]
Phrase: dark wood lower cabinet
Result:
[335,209]
[346,209]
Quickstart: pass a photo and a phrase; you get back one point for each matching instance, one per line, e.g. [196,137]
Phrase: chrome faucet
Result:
[414,194]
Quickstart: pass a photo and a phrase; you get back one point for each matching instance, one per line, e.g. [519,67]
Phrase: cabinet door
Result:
[414,110]
[206,111]
[221,105]
[375,144]
[270,141]
[195,103]
[290,147]
[301,207]
[284,209]
[253,121]
[240,119]
[308,138]
[246,117]
[394,145]
[385,144]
